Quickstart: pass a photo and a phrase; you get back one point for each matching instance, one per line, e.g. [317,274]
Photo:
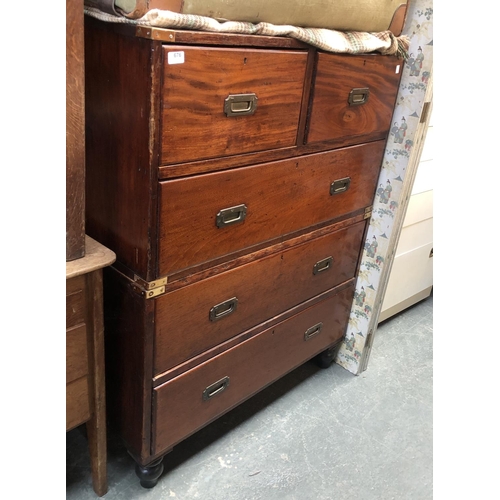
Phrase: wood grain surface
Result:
[281,197]
[194,125]
[264,288]
[332,117]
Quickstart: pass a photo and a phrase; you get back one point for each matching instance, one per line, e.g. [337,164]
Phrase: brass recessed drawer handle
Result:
[231,215]
[240,104]
[313,331]
[223,309]
[322,265]
[340,185]
[358,96]
[216,388]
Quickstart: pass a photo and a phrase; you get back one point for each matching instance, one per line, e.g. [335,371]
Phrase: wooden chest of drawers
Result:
[233,176]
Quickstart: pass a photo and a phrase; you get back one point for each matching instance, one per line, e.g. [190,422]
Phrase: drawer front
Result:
[199,316]
[354,97]
[75,301]
[77,403]
[193,399]
[225,212]
[219,102]
[76,353]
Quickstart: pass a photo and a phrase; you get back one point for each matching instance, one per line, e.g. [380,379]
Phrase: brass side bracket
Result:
[368,212]
[163,35]
[149,289]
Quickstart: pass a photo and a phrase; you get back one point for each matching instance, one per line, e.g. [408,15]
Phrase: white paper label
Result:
[397,68]
[176,57]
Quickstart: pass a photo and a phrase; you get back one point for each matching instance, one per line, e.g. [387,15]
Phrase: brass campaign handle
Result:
[313,331]
[240,104]
[322,265]
[223,309]
[358,96]
[231,215]
[216,388]
[340,185]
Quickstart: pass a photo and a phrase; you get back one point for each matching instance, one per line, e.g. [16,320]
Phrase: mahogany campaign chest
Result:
[234,177]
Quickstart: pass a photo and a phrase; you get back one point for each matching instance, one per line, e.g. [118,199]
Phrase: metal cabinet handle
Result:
[322,265]
[231,215]
[240,104]
[358,96]
[313,331]
[223,309]
[340,185]
[216,388]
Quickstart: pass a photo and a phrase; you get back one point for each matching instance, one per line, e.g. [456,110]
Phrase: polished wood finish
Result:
[85,377]
[207,38]
[164,161]
[120,108]
[123,103]
[194,125]
[75,132]
[179,408]
[233,341]
[264,288]
[281,198]
[129,322]
[332,117]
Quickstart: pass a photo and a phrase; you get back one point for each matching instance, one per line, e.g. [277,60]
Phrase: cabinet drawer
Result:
[219,102]
[77,403]
[75,301]
[199,316]
[225,212]
[77,364]
[354,97]
[193,399]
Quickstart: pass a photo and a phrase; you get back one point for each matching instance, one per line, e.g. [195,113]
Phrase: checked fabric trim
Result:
[348,42]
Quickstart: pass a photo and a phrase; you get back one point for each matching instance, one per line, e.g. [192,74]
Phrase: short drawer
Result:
[77,364]
[75,301]
[225,212]
[78,408]
[193,399]
[220,102]
[199,316]
[353,98]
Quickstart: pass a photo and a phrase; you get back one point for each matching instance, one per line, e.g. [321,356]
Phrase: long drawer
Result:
[224,101]
[188,402]
[199,316]
[228,211]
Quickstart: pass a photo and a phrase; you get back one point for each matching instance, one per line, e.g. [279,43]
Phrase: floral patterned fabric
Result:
[405,120]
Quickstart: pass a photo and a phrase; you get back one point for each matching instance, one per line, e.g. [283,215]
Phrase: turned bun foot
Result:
[325,359]
[149,474]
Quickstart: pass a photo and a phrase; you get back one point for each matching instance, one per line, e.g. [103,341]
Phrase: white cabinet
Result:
[411,275]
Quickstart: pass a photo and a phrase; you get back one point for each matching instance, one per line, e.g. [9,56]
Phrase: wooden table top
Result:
[96,257]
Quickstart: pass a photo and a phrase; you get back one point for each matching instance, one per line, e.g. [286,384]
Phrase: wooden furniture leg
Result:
[85,370]
[149,474]
[96,426]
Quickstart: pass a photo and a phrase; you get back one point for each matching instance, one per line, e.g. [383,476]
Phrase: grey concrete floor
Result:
[313,435]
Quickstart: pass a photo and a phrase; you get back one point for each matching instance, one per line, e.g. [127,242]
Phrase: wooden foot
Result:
[325,359]
[149,474]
